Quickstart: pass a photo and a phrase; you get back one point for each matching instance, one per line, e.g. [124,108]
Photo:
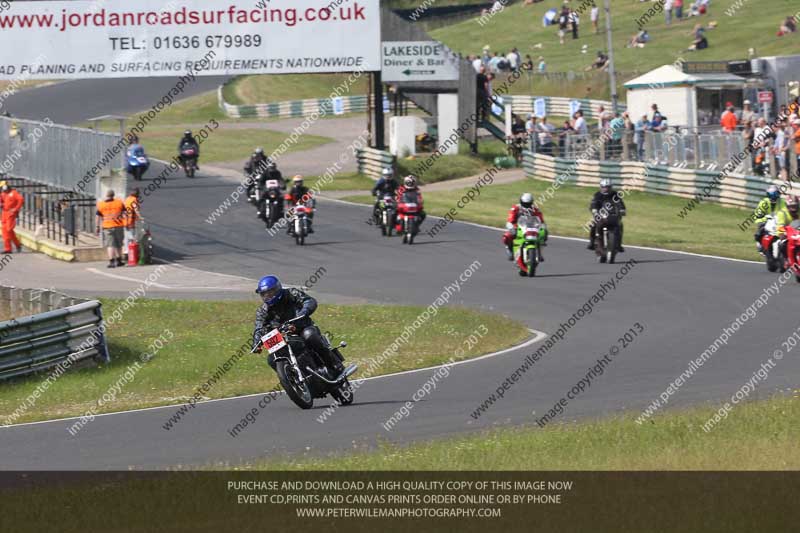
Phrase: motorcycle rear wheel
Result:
[300,393]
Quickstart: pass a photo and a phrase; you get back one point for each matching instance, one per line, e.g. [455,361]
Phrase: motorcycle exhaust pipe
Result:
[349,371]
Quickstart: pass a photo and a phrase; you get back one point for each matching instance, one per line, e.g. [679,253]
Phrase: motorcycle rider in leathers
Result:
[387,184]
[605,198]
[281,305]
[525,207]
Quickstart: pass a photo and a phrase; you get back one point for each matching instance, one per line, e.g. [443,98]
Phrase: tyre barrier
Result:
[48,329]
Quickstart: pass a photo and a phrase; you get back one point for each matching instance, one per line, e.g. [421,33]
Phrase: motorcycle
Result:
[301,371]
[189,158]
[270,205]
[138,163]
[408,220]
[770,244]
[388,215]
[607,234]
[530,236]
[792,255]
[300,221]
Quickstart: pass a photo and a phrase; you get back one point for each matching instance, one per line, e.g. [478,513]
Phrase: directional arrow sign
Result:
[418,61]
[409,72]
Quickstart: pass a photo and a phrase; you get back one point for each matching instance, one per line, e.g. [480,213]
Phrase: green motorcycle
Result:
[531,234]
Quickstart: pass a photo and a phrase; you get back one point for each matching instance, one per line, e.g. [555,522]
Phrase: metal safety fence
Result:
[61,156]
[46,329]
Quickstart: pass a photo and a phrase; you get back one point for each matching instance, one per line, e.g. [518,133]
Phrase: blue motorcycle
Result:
[138,163]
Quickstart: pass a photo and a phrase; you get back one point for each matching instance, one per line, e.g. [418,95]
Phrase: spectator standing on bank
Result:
[668,4]
[563,22]
[580,123]
[617,128]
[594,15]
[679,10]
[542,67]
[111,217]
[574,21]
[656,112]
[527,64]
[565,131]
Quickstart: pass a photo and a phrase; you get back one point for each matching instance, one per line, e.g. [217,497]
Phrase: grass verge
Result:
[450,167]
[194,352]
[651,221]
[265,89]
[344,181]
[758,435]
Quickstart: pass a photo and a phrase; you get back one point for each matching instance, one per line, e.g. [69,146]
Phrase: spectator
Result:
[132,216]
[111,216]
[728,119]
[617,129]
[580,123]
[483,97]
[595,17]
[527,64]
[563,22]
[574,21]
[659,123]
[779,146]
[679,9]
[601,62]
[747,113]
[603,118]
[639,40]
[486,57]
[494,63]
[668,12]
[796,139]
[530,129]
[794,107]
[788,26]
[513,59]
[566,130]
[700,42]
[477,63]
[542,67]
[545,137]
[628,136]
[642,125]
[747,137]
[656,112]
[12,202]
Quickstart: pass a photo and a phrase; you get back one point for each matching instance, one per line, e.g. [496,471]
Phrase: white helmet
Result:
[605,183]
[410,182]
[387,173]
[526,200]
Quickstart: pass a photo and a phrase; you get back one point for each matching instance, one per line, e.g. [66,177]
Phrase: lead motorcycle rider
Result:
[255,168]
[409,193]
[281,305]
[188,141]
[601,200]
[769,206]
[385,185]
[525,207]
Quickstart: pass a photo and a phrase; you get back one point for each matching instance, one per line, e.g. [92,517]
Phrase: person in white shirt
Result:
[545,137]
[779,149]
[530,129]
[580,123]
[513,59]
[595,16]
[477,63]
[668,12]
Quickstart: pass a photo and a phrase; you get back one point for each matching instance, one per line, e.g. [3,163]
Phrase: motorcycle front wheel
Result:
[299,392]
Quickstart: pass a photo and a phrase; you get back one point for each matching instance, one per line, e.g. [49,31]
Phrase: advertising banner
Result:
[122,38]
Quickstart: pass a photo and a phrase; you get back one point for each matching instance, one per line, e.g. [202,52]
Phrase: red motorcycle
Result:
[770,244]
[189,158]
[792,257]
[408,215]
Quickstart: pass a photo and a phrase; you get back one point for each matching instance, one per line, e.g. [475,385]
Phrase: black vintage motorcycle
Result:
[302,372]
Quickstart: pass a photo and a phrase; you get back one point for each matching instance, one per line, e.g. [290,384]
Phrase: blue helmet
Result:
[773,193]
[270,289]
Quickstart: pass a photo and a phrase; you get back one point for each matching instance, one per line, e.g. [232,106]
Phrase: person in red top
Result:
[728,120]
[524,207]
[12,201]
[407,193]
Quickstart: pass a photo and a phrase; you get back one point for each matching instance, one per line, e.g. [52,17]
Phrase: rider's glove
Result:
[509,226]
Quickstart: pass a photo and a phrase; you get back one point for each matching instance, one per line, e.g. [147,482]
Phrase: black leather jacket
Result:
[609,201]
[293,303]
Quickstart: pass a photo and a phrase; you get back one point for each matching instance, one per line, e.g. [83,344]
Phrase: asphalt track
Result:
[76,101]
[683,301]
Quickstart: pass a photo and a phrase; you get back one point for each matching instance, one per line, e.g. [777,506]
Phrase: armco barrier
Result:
[48,329]
[558,106]
[734,190]
[371,162]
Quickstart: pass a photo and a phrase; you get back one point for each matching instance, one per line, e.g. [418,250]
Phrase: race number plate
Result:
[273,341]
[272,184]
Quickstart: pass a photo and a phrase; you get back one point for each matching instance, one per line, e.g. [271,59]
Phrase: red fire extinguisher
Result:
[133,253]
